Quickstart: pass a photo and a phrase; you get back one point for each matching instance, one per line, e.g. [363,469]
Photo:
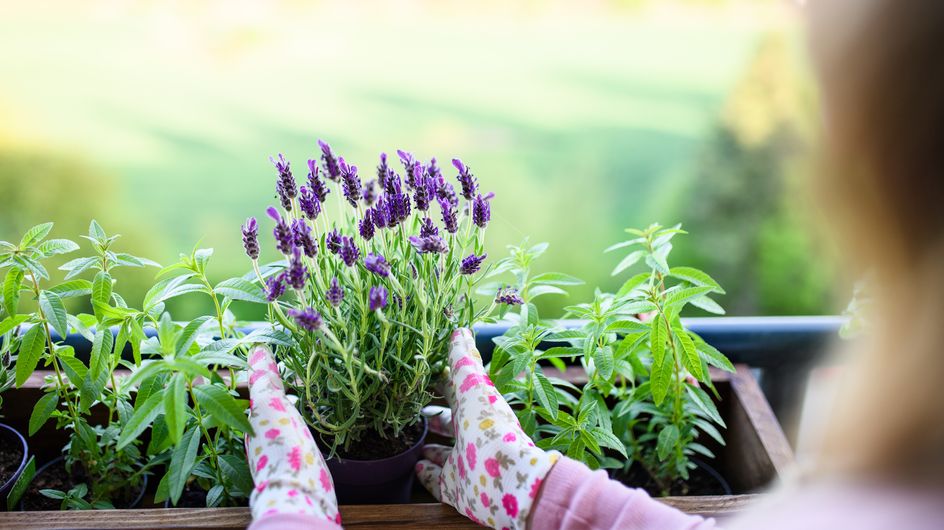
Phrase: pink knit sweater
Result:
[575,498]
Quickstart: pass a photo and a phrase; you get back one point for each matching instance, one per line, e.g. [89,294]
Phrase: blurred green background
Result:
[157,119]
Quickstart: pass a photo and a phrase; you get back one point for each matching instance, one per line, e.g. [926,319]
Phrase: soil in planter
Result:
[374,447]
[56,478]
[196,498]
[10,458]
[700,482]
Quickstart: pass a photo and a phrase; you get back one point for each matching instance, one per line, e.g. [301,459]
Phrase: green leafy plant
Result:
[644,397]
[371,296]
[105,473]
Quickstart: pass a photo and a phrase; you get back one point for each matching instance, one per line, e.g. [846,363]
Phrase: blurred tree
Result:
[746,206]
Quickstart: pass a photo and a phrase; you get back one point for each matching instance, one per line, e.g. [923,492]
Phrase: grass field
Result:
[582,122]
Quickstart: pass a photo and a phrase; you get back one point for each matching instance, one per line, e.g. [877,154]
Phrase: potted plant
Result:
[14,451]
[644,399]
[370,298]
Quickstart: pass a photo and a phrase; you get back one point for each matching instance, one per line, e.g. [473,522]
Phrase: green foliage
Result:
[643,399]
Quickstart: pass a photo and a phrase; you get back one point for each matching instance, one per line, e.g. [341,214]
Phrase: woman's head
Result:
[881,68]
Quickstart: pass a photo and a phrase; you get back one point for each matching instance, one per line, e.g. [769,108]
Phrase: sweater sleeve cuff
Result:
[292,521]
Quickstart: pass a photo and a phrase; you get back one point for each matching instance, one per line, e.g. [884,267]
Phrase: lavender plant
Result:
[372,295]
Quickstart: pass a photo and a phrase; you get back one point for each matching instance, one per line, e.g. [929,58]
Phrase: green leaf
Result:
[709,429]
[96,233]
[561,351]
[608,439]
[240,289]
[711,355]
[54,312]
[690,359]
[545,394]
[42,410]
[101,292]
[223,406]
[35,235]
[704,403]
[657,260]
[632,284]
[175,407]
[565,335]
[78,266]
[23,482]
[696,277]
[668,438]
[678,299]
[661,374]
[101,351]
[556,278]
[627,327]
[707,304]
[141,419]
[54,247]
[11,322]
[189,334]
[11,290]
[236,470]
[631,259]
[181,463]
[191,367]
[31,348]
[72,288]
[603,362]
[541,290]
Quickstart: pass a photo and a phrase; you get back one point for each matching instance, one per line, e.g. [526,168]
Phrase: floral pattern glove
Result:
[494,471]
[287,468]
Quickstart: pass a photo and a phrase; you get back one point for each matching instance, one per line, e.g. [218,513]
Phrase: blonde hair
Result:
[881,68]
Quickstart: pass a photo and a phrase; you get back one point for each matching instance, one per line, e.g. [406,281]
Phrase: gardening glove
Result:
[494,471]
[287,468]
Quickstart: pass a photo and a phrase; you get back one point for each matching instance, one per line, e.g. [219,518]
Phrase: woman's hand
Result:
[494,471]
[287,468]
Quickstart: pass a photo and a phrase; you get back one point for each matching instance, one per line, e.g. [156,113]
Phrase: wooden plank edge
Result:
[763,419]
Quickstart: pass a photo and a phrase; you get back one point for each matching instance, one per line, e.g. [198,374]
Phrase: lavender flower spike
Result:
[335,293]
[284,238]
[466,179]
[509,296]
[349,251]
[427,228]
[481,211]
[303,237]
[333,241]
[366,225]
[317,185]
[471,264]
[296,273]
[275,287]
[350,182]
[309,203]
[285,186]
[251,238]
[426,245]
[377,298]
[330,161]
[450,221]
[307,318]
[382,170]
[376,264]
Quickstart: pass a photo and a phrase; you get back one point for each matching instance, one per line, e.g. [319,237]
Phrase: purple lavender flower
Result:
[379,213]
[351,183]
[471,264]
[307,318]
[366,226]
[333,241]
[481,211]
[335,293]
[446,192]
[309,203]
[284,238]
[376,264]
[409,165]
[370,192]
[349,251]
[422,193]
[285,186]
[303,237]
[509,296]
[297,272]
[251,238]
[275,287]
[330,161]
[427,228]
[466,179]
[450,220]
[318,187]
[377,298]
[425,245]
[433,170]
[382,170]
[399,207]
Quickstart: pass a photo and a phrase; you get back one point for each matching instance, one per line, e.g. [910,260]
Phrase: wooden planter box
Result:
[756,455]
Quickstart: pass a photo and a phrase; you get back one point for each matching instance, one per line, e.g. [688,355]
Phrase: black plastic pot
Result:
[59,462]
[384,481]
[13,438]
[713,473]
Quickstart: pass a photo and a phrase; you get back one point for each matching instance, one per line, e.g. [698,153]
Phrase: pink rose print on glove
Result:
[492,467]
[325,479]
[295,458]
[262,463]
[272,434]
[276,403]
[470,456]
[511,504]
